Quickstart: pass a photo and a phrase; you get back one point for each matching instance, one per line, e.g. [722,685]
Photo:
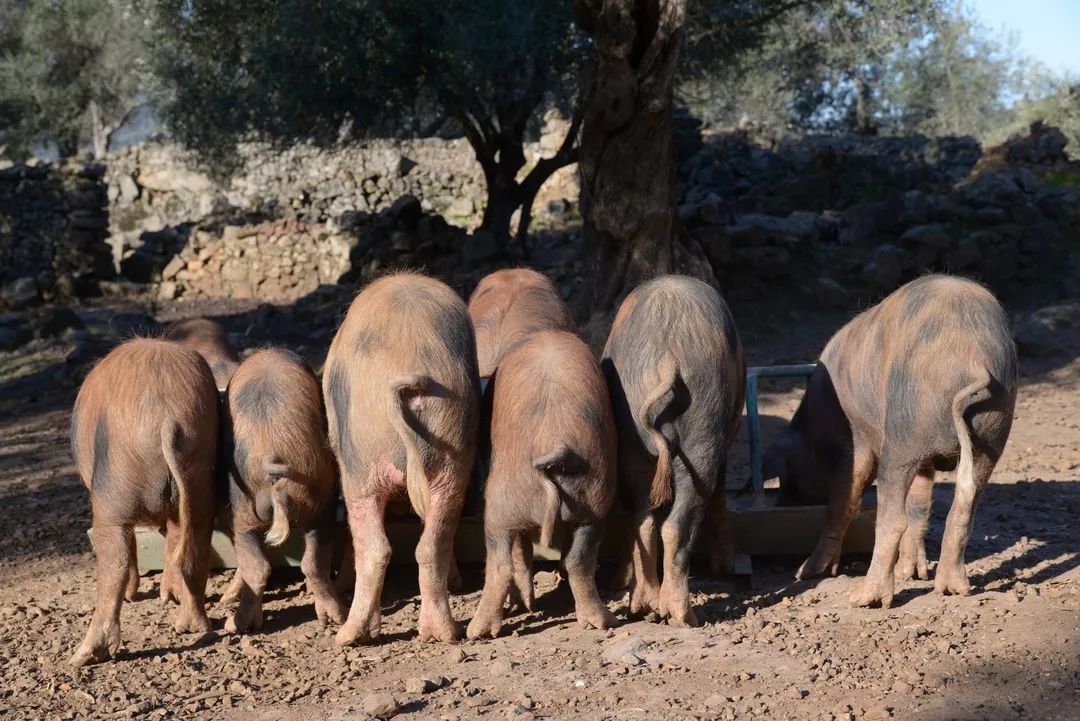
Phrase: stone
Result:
[168,290]
[460,208]
[766,261]
[381,705]
[716,243]
[125,325]
[128,189]
[54,320]
[480,246]
[830,293]
[932,234]
[420,685]
[882,270]
[1043,332]
[626,650]
[174,266]
[20,293]
[14,331]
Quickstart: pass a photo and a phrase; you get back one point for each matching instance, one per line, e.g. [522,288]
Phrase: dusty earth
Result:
[776,649]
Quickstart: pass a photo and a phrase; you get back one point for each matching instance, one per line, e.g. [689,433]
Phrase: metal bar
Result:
[754,422]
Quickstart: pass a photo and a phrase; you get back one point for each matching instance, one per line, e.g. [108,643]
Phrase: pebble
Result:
[381,705]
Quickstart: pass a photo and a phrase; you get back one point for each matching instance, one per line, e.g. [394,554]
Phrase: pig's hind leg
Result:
[102,639]
[371,556]
[254,570]
[912,561]
[522,595]
[434,554]
[894,481]
[498,578]
[951,574]
[318,549]
[580,562]
[132,586]
[678,532]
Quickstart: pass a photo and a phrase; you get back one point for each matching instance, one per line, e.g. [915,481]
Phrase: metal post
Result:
[754,423]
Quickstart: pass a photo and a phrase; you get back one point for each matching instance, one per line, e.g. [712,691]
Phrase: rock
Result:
[798,693]
[420,685]
[766,261]
[125,325]
[716,243]
[715,701]
[14,331]
[882,270]
[1042,332]
[128,189]
[480,246]
[933,235]
[460,208]
[381,705]
[19,293]
[168,290]
[626,650]
[54,320]
[829,292]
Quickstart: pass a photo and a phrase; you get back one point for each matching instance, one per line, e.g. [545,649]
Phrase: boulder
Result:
[14,331]
[1043,333]
[931,234]
[883,268]
[480,246]
[20,293]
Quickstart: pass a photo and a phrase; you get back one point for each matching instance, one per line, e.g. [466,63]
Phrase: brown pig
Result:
[212,343]
[923,381]
[282,477]
[552,463]
[144,435]
[507,306]
[402,398]
[675,368]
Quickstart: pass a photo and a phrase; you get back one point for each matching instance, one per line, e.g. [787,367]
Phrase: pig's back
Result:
[930,338]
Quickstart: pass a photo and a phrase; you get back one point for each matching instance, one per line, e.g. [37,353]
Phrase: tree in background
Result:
[959,80]
[286,70]
[69,70]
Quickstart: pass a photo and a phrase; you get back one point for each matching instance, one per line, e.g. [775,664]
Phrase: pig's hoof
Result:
[85,656]
[819,564]
[358,632]
[872,593]
[330,609]
[192,623]
[481,627]
[644,601]
[951,582]
[598,618]
[243,620]
[445,630]
[684,618]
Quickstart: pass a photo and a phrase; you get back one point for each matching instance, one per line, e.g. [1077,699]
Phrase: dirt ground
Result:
[778,649]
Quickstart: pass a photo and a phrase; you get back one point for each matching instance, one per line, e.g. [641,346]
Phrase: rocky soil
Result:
[776,649]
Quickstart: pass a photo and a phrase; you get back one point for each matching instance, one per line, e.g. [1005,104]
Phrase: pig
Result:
[402,399]
[209,339]
[674,365]
[923,381]
[282,477]
[144,436]
[552,463]
[507,306]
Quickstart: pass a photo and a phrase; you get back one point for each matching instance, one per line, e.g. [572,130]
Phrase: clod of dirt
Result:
[422,685]
[381,705]
[626,650]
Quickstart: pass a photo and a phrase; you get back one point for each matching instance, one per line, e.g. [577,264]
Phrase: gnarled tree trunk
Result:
[627,156]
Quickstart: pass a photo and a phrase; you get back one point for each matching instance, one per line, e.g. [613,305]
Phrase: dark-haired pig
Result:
[506,307]
[552,463]
[402,397]
[282,477]
[211,341]
[144,436]
[675,368]
[923,381]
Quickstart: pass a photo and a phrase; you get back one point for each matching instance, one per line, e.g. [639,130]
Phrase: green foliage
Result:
[69,70]
[321,70]
[1054,101]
